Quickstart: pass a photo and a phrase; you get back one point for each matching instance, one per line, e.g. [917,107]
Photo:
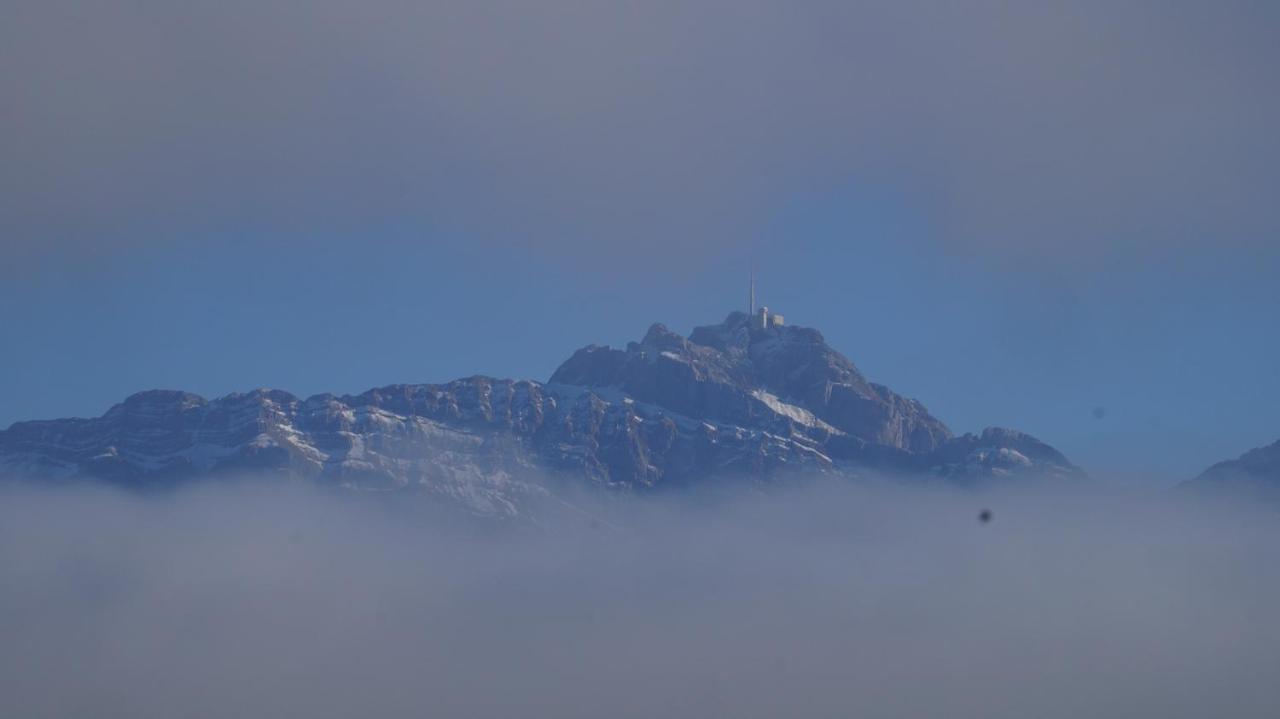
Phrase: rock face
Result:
[733,372]
[729,402]
[1257,469]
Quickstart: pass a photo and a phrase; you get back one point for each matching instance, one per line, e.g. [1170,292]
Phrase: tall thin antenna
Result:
[751,311]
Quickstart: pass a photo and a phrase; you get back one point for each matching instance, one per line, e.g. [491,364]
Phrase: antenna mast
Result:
[751,311]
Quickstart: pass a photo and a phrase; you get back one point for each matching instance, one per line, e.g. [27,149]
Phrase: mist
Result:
[252,599]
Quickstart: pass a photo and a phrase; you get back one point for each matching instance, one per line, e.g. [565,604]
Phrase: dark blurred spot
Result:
[1099,412]
[984,516]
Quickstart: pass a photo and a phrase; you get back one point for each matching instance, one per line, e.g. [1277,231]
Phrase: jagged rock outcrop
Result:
[729,401]
[735,372]
[999,453]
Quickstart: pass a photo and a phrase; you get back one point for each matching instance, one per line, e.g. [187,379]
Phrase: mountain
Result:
[1257,469]
[746,399]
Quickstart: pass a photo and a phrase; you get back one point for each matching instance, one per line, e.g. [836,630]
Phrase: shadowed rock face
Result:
[727,372]
[1258,469]
[728,403]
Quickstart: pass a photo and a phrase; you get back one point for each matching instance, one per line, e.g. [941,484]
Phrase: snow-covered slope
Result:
[727,403]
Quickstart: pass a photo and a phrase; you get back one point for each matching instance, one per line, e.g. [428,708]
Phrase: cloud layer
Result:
[253,601]
[606,130]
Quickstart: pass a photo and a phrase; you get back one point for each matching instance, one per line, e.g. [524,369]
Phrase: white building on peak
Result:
[764,319]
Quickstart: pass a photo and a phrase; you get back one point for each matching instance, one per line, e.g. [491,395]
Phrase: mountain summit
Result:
[749,398]
[1257,470]
[744,372]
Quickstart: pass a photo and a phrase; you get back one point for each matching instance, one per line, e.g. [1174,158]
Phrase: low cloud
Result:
[252,600]
[598,131]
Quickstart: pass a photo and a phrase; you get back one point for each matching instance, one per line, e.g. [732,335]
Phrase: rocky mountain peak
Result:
[160,399]
[1256,469]
[659,337]
[734,399]
[736,370]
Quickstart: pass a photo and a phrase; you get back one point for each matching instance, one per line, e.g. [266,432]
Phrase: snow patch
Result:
[799,415]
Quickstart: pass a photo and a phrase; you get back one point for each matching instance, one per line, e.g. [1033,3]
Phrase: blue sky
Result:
[1018,215]
[1179,355]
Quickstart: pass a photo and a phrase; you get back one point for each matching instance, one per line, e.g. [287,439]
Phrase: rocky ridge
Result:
[732,401]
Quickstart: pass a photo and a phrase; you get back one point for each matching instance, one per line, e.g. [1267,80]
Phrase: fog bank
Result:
[825,601]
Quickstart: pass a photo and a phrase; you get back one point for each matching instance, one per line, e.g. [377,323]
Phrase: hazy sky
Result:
[1016,213]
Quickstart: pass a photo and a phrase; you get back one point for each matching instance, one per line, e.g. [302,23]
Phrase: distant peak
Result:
[163,397]
[661,337]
